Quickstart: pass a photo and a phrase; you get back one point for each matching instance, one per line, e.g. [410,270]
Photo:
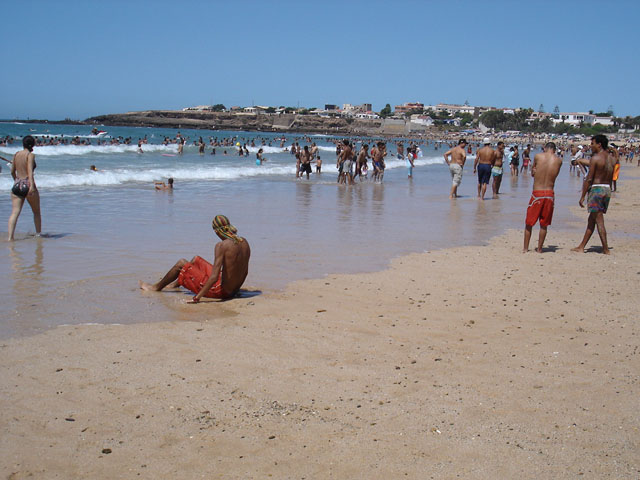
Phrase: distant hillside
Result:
[250,122]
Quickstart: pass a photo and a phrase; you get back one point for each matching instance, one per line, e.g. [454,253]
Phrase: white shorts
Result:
[456,173]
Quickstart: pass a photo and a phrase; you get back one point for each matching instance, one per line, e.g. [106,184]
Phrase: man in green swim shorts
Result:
[496,170]
[598,186]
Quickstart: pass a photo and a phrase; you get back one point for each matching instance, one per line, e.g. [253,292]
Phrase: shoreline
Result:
[450,223]
[298,124]
[448,362]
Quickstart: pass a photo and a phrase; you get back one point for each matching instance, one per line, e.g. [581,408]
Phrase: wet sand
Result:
[469,362]
[88,268]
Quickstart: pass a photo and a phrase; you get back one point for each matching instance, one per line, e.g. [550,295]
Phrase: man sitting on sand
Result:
[545,169]
[221,280]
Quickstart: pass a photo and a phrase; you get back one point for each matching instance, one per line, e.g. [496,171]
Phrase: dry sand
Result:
[474,363]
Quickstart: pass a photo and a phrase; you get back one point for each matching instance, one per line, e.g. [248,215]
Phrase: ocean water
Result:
[105,230]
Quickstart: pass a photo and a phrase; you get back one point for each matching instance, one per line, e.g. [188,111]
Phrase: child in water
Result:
[259,158]
[163,186]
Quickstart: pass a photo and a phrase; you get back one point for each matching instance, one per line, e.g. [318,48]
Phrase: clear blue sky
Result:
[82,58]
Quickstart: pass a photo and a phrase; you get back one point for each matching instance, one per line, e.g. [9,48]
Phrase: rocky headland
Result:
[254,122]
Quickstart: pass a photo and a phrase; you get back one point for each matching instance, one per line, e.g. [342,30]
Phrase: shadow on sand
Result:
[31,236]
[595,249]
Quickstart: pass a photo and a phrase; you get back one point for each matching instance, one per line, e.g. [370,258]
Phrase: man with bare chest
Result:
[496,169]
[456,164]
[485,159]
[545,169]
[598,187]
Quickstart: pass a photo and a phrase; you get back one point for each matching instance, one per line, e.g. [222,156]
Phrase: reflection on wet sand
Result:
[27,283]
[297,230]
[454,221]
[303,206]
[378,199]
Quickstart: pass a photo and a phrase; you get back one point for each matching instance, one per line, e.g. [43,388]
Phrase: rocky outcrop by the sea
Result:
[254,122]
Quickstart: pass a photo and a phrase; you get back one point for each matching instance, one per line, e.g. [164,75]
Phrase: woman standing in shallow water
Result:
[24,163]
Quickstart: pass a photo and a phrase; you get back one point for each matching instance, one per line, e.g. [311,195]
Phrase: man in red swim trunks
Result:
[221,280]
[545,169]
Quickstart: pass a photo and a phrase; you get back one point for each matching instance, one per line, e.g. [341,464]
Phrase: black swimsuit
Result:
[21,186]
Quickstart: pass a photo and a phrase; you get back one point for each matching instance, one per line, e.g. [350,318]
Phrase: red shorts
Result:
[540,208]
[194,275]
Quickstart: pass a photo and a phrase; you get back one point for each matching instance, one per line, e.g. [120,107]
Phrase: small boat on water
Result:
[98,133]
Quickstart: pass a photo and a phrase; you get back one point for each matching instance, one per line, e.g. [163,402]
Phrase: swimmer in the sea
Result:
[259,158]
[163,186]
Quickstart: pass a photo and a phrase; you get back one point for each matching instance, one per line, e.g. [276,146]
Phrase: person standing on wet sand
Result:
[409,160]
[526,158]
[400,156]
[361,161]
[24,188]
[496,169]
[345,163]
[485,159]
[456,164]
[598,186]
[305,162]
[377,159]
[613,150]
[221,280]
[515,161]
[545,170]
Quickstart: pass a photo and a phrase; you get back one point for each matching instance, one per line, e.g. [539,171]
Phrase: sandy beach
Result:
[473,362]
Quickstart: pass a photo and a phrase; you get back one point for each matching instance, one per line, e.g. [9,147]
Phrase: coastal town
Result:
[429,115]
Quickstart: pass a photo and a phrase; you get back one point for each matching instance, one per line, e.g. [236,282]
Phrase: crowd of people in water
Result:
[598,162]
[354,154]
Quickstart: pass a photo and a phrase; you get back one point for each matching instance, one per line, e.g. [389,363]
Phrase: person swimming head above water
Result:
[163,186]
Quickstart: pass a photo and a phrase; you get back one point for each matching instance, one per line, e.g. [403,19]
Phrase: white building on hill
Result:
[575,118]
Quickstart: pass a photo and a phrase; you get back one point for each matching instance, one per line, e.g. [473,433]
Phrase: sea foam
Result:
[80,150]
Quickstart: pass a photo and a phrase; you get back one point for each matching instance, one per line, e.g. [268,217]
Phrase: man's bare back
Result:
[486,155]
[545,169]
[223,279]
[458,155]
[234,260]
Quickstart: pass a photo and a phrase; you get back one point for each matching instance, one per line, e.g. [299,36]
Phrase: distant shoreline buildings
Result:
[424,115]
